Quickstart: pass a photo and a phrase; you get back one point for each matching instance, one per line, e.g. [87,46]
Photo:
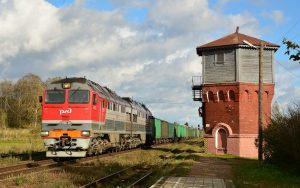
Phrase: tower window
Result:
[210,96]
[247,97]
[231,95]
[221,95]
[220,58]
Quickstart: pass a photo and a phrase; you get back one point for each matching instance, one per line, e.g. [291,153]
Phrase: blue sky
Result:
[144,49]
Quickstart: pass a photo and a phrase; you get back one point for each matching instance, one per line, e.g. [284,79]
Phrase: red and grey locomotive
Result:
[80,118]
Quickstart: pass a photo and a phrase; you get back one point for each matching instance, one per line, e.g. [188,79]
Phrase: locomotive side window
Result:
[110,106]
[128,116]
[78,96]
[95,100]
[55,97]
[123,109]
[115,107]
[134,118]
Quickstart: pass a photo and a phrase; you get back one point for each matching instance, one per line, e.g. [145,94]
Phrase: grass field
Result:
[248,173]
[19,141]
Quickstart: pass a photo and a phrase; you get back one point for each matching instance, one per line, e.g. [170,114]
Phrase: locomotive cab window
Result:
[78,96]
[55,97]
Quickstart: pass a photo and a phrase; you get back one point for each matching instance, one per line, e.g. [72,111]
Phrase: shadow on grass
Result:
[176,151]
[199,143]
[36,156]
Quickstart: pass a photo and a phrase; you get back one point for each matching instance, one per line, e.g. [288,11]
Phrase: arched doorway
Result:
[221,141]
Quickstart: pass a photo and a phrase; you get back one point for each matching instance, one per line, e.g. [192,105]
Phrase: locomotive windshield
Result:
[55,97]
[78,96]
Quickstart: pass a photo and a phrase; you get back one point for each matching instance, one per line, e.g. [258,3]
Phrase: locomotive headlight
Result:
[85,133]
[44,133]
[66,85]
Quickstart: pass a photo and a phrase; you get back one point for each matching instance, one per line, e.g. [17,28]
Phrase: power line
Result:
[290,29]
[297,76]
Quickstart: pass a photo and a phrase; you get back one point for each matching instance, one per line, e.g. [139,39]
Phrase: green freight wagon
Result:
[157,128]
[178,130]
[171,131]
[183,131]
[189,132]
[192,132]
[164,129]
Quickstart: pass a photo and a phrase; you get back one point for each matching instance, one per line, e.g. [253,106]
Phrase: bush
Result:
[282,137]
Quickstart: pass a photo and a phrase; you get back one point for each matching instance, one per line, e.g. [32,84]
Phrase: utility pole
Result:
[260,103]
[260,99]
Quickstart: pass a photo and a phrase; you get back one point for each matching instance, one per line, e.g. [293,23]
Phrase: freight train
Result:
[81,118]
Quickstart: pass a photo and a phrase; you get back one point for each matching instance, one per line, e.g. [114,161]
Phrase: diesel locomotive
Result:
[80,118]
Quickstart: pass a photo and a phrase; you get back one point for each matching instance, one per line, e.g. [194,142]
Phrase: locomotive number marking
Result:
[67,111]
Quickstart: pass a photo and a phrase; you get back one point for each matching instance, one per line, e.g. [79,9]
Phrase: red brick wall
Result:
[241,114]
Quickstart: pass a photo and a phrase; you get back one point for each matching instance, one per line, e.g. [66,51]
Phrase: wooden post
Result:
[260,106]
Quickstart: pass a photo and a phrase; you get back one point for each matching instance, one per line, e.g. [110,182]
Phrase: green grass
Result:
[18,141]
[248,173]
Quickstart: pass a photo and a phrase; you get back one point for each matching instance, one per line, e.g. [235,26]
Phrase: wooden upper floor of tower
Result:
[234,59]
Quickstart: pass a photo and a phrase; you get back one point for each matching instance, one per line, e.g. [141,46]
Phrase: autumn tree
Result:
[19,102]
[6,93]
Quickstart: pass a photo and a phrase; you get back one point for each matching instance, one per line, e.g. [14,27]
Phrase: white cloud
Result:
[152,61]
[276,16]
[286,81]
[27,27]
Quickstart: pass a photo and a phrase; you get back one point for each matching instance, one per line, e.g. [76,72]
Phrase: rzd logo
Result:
[67,111]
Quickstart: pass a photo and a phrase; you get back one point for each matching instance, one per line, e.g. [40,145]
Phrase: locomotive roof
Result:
[104,92]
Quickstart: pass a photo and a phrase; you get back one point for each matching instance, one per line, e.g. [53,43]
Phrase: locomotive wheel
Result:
[89,151]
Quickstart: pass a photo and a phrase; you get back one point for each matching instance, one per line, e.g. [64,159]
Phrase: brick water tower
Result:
[229,92]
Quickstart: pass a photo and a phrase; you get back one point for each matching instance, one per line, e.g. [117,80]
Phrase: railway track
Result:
[15,170]
[132,176]
[10,171]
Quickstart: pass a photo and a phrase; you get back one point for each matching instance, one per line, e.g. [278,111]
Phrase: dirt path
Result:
[209,167]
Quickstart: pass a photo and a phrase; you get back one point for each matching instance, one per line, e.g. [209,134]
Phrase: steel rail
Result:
[49,164]
[136,183]
[27,168]
[94,183]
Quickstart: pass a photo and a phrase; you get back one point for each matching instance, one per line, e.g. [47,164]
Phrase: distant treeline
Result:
[19,102]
